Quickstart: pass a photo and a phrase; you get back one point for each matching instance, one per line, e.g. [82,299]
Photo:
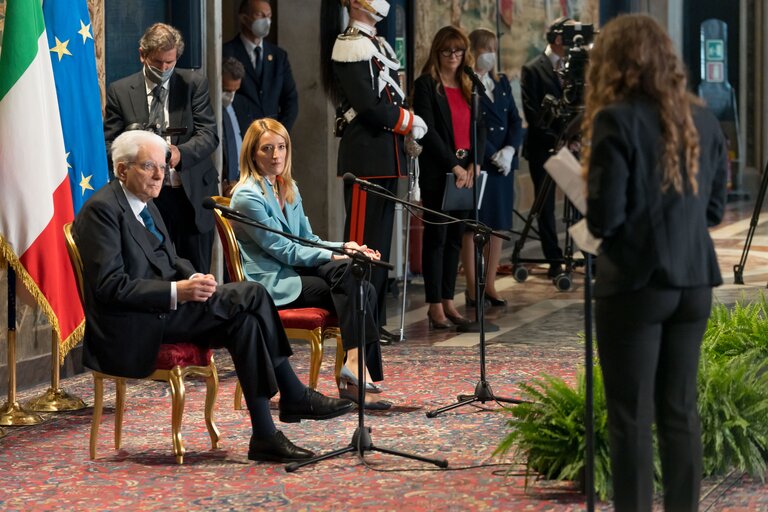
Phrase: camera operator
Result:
[540,78]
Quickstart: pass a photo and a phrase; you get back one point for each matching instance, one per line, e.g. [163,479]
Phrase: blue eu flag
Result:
[70,39]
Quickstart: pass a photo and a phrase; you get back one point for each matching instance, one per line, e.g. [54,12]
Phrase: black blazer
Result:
[275,97]
[652,238]
[538,79]
[189,107]
[127,289]
[439,154]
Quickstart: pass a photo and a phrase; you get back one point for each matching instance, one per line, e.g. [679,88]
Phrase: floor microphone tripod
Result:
[361,439]
[483,392]
[738,269]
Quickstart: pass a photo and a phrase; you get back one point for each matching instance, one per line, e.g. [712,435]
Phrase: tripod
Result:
[361,439]
[483,392]
[738,269]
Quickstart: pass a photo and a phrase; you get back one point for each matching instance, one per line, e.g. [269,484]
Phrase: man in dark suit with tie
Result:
[161,97]
[268,89]
[538,79]
[138,293]
[232,73]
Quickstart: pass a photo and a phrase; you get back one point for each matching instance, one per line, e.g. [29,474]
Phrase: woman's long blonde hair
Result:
[634,57]
[248,153]
[442,40]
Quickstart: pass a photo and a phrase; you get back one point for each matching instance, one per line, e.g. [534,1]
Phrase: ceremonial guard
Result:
[360,76]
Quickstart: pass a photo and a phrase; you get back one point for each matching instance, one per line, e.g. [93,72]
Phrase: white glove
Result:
[418,128]
[503,159]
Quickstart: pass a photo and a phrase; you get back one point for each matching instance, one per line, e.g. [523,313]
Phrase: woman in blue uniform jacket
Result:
[297,276]
[503,135]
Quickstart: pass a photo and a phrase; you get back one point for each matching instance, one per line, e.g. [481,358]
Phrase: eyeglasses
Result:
[456,51]
[149,166]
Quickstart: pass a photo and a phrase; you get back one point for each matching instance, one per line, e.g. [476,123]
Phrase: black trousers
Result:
[546,220]
[440,250]
[370,220]
[649,344]
[242,318]
[179,218]
[332,286]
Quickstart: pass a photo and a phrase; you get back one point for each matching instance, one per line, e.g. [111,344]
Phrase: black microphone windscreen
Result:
[349,178]
[209,203]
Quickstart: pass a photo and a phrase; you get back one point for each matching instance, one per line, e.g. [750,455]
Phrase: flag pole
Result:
[12,414]
[55,399]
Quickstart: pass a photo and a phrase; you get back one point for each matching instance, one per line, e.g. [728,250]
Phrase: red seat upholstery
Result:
[182,354]
[307,318]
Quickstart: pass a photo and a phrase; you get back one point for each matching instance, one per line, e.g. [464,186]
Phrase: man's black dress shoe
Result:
[277,448]
[386,337]
[314,406]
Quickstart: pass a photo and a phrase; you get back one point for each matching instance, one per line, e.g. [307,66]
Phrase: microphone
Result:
[475,79]
[210,203]
[351,179]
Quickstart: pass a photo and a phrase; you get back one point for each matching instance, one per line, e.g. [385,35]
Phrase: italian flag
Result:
[36,198]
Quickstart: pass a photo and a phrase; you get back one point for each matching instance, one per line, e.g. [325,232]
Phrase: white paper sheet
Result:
[565,170]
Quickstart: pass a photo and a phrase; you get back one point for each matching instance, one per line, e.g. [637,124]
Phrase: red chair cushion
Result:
[182,354]
[307,318]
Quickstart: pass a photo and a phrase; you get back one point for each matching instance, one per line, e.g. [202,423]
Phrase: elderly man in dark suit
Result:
[268,89]
[538,79]
[161,97]
[139,293]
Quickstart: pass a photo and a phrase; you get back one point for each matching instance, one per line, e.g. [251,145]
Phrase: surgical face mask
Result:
[380,6]
[227,97]
[260,27]
[157,76]
[485,62]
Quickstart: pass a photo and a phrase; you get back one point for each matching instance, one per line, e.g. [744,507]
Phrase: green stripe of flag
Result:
[23,27]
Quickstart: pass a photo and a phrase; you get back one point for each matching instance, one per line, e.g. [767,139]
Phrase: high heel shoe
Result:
[435,324]
[347,377]
[350,393]
[472,303]
[458,319]
[496,303]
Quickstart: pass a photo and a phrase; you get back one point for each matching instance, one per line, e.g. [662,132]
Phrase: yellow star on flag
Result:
[61,48]
[66,159]
[85,182]
[85,31]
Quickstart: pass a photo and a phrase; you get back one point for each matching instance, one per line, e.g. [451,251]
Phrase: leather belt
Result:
[461,154]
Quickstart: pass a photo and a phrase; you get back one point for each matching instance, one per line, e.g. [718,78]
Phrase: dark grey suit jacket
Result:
[652,238]
[537,79]
[188,107]
[127,289]
[271,95]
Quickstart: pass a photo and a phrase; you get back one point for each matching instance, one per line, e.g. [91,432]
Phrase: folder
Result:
[462,198]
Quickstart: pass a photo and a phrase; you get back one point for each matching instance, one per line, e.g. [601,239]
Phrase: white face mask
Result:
[227,97]
[260,27]
[485,62]
[380,6]
[157,76]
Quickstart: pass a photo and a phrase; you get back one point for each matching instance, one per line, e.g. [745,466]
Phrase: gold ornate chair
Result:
[174,363]
[314,325]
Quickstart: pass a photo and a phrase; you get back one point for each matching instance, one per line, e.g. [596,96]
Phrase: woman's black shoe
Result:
[472,303]
[277,448]
[496,303]
[458,320]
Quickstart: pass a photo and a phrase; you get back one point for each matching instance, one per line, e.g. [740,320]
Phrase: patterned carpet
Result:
[46,467]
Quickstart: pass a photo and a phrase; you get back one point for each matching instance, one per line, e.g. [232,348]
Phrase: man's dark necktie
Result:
[257,62]
[157,109]
[150,224]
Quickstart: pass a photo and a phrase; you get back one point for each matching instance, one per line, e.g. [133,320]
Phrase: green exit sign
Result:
[715,49]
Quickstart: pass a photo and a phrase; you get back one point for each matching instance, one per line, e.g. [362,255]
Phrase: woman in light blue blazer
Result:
[297,276]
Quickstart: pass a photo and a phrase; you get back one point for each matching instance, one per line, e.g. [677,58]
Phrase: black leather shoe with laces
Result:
[277,448]
[314,406]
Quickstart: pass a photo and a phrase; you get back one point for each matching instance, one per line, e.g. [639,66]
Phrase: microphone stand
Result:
[361,265]
[483,392]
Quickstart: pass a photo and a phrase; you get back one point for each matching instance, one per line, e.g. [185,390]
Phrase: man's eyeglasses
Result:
[151,167]
[456,51]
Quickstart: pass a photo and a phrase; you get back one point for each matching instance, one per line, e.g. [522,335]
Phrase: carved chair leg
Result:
[98,404]
[176,381]
[315,356]
[119,410]
[212,389]
[238,397]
